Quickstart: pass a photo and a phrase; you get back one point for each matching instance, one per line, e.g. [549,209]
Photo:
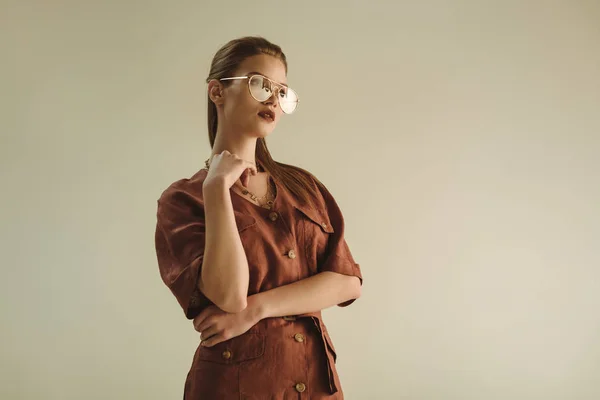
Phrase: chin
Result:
[261,131]
[266,132]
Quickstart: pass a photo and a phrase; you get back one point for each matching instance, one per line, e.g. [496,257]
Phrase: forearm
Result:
[312,294]
[224,277]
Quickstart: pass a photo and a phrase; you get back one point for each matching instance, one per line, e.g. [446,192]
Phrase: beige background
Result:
[461,139]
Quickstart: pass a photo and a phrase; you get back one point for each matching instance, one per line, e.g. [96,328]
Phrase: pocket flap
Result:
[319,218]
[241,348]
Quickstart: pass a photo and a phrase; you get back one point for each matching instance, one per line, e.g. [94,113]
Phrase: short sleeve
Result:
[339,258]
[179,241]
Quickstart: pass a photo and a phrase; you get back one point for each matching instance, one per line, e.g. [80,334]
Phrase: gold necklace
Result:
[268,198]
[268,203]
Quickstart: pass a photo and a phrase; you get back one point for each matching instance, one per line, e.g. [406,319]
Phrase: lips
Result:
[267,115]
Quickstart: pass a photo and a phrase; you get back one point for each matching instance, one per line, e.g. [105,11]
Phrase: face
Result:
[241,113]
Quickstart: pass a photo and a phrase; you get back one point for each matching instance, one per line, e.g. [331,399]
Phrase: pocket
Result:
[243,221]
[234,351]
[315,231]
[212,381]
[215,370]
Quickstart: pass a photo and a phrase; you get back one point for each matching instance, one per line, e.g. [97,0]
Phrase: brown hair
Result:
[224,64]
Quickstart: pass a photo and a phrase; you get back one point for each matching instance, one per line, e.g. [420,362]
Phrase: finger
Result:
[208,332]
[252,168]
[204,325]
[245,178]
[211,341]
[197,323]
[201,320]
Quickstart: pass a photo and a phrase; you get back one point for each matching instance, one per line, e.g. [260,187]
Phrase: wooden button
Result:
[291,254]
[300,387]
[226,355]
[299,337]
[273,216]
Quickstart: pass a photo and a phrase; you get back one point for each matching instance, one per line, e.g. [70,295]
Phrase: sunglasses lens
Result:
[261,90]
[288,100]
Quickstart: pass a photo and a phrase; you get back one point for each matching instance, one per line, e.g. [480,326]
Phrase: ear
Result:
[215,91]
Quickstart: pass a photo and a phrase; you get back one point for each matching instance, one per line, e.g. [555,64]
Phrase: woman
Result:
[254,249]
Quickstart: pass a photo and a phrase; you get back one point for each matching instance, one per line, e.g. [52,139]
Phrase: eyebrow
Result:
[260,73]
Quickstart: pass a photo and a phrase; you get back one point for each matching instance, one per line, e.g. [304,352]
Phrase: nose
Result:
[274,99]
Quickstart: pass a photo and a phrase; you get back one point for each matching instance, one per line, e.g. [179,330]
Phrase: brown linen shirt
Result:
[278,358]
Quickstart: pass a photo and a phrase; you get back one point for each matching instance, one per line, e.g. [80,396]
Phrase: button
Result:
[299,337]
[324,225]
[273,216]
[291,254]
[226,354]
[289,318]
[300,387]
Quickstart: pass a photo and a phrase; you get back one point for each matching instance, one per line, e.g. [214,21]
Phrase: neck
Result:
[242,146]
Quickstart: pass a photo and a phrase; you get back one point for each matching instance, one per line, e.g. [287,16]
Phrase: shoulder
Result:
[318,192]
[314,181]
[185,193]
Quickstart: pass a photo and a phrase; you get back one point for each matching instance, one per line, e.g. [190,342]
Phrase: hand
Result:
[216,326]
[228,168]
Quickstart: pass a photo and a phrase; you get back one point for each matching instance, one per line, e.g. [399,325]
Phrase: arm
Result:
[308,295]
[224,274]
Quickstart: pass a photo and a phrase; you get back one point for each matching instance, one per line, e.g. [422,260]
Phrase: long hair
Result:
[224,64]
